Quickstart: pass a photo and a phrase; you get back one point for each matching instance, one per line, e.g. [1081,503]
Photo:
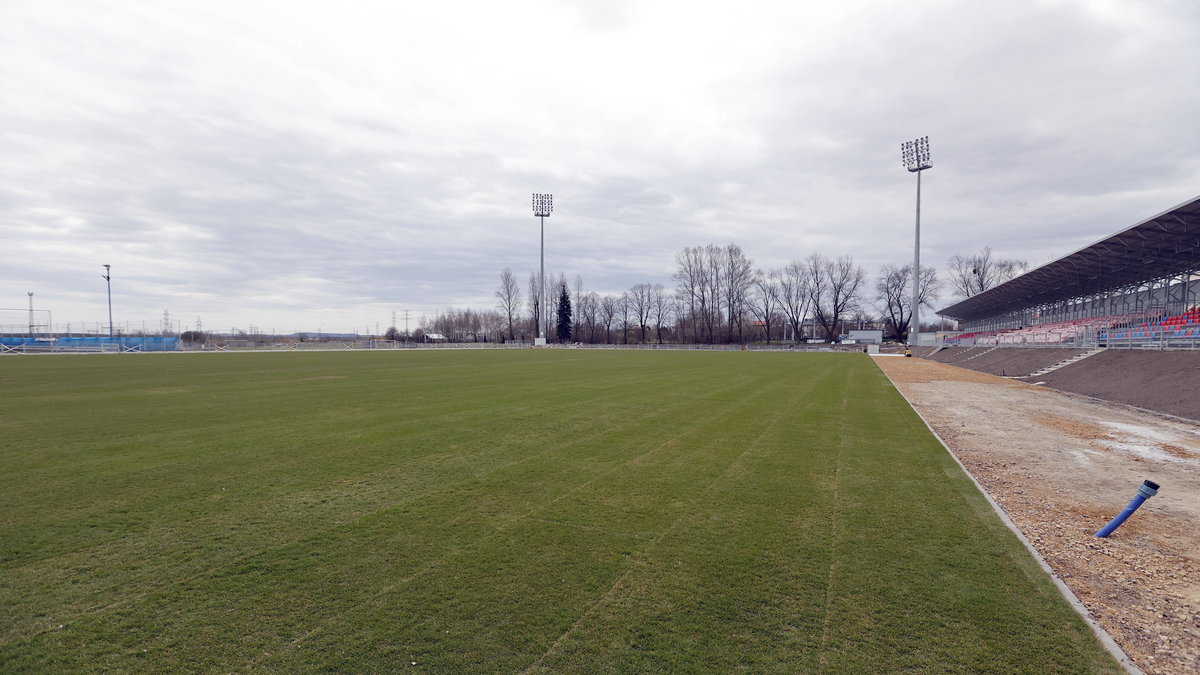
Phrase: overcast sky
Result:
[302,165]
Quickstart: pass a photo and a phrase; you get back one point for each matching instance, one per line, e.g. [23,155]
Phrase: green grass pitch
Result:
[548,510]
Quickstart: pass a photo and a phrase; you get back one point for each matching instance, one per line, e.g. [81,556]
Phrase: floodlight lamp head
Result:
[543,205]
[915,154]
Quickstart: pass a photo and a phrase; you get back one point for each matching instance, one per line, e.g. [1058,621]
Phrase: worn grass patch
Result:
[500,511]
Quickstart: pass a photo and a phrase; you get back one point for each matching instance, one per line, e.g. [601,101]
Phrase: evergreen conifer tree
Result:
[564,315]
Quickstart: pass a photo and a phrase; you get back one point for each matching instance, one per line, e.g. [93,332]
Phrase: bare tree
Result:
[764,301]
[624,309]
[577,301]
[589,308]
[737,276]
[712,283]
[678,311]
[463,325]
[534,303]
[712,277]
[861,317]
[640,304]
[492,325]
[794,296]
[833,289]
[690,290]
[508,299]
[893,290]
[660,304]
[608,313]
[974,274]
[817,283]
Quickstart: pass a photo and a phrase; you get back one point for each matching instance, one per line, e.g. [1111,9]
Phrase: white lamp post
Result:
[543,206]
[915,155]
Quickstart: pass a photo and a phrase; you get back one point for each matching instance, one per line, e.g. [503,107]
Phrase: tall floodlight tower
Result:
[543,206]
[108,281]
[31,323]
[915,155]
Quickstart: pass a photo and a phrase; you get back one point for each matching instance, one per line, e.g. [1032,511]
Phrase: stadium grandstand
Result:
[1136,288]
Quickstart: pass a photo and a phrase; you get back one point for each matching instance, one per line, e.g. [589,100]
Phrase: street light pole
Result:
[543,206]
[108,282]
[915,155]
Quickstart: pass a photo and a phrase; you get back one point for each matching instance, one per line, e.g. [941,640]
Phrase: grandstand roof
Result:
[1166,245]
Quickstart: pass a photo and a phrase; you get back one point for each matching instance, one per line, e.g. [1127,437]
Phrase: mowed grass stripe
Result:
[488,587]
[926,573]
[243,513]
[505,499]
[284,444]
[261,526]
[722,587]
[475,511]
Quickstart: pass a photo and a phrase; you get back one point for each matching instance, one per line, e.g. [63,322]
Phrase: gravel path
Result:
[1061,467]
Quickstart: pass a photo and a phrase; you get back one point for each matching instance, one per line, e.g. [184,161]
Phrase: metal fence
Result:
[26,345]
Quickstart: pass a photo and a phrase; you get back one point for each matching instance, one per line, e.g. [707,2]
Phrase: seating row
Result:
[1179,326]
[1186,325]
[1152,333]
[1190,317]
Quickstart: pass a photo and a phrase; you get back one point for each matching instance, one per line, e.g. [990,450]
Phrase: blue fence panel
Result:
[141,344]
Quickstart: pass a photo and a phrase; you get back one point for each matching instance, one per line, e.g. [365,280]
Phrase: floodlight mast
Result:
[108,282]
[543,206]
[915,155]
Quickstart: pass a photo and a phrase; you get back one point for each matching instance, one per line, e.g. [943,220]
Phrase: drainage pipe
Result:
[1145,491]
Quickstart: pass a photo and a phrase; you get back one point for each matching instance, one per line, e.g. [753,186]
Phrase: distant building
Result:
[866,337]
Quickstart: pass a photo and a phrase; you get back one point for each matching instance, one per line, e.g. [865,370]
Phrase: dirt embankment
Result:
[956,354]
[1166,382]
[1061,467]
[1017,361]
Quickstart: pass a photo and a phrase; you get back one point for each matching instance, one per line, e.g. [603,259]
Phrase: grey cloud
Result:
[302,187]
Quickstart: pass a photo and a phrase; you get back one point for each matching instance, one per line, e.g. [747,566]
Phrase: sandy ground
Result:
[1061,467]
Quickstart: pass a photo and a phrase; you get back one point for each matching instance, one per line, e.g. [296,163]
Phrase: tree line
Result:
[719,296]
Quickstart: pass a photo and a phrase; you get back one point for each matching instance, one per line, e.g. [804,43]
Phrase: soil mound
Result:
[957,355]
[1017,361]
[1167,381]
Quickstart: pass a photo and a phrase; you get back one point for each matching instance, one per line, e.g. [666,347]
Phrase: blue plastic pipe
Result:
[1146,490]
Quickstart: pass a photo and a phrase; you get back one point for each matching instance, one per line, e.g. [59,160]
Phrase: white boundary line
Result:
[1105,639]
